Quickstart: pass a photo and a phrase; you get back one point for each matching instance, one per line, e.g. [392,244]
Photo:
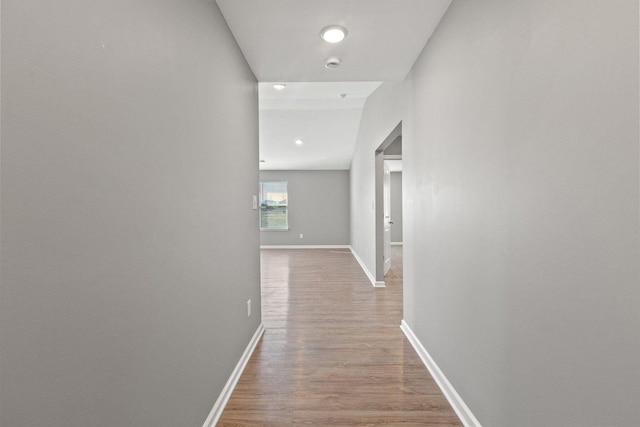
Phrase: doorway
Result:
[389,150]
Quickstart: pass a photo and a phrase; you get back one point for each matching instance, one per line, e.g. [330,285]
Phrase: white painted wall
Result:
[382,112]
[521,233]
[129,246]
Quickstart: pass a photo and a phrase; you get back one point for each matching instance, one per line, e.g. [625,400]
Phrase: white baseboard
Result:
[456,402]
[396,243]
[304,246]
[371,277]
[225,394]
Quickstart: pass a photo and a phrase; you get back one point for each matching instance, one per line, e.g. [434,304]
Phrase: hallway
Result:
[333,352]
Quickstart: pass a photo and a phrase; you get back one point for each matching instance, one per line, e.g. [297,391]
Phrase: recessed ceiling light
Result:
[279,86]
[332,63]
[299,142]
[333,33]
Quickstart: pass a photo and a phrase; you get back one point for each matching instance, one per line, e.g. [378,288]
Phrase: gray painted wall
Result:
[395,148]
[124,284]
[521,243]
[318,208]
[396,206]
[522,233]
[381,114]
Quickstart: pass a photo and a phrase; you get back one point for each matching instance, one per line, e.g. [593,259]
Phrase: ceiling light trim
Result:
[333,33]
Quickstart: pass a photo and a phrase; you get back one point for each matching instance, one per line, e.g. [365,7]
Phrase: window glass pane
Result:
[273,205]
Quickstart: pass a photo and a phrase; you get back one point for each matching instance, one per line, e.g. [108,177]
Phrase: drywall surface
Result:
[395,149]
[318,208]
[381,114]
[396,206]
[129,245]
[521,210]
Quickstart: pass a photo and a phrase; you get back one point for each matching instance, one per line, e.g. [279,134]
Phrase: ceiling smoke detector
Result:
[332,62]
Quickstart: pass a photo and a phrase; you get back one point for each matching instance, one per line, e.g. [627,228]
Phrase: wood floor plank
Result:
[333,353]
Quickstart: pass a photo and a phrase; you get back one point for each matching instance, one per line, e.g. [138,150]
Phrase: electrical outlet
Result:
[301,235]
[255,202]
[248,308]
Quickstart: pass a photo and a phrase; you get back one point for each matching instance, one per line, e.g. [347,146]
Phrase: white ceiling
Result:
[281,41]
[316,95]
[281,38]
[315,113]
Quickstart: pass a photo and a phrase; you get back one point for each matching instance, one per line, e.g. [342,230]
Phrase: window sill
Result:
[274,229]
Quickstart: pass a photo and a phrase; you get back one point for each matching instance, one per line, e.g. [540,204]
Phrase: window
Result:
[274,210]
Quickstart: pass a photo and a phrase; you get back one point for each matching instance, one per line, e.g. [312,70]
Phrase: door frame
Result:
[379,200]
[387,216]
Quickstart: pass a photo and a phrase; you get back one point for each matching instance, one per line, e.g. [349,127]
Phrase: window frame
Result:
[260,206]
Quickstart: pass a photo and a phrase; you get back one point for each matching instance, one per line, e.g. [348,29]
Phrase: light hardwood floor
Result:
[333,353]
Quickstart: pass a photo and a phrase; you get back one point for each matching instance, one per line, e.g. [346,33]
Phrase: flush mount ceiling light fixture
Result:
[299,141]
[333,33]
[279,86]
[332,62]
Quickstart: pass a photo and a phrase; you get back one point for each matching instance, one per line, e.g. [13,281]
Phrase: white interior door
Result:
[387,217]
